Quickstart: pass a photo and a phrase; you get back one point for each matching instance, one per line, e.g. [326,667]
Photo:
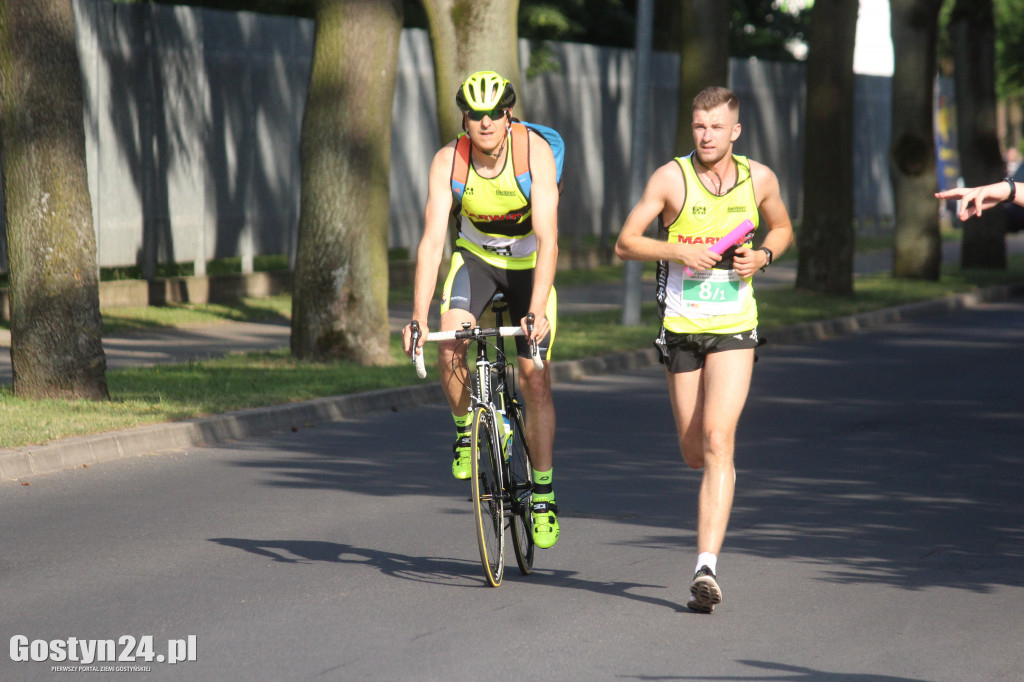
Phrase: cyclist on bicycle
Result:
[507,242]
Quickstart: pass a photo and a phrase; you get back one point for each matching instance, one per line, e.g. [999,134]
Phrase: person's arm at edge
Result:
[435,233]
[975,200]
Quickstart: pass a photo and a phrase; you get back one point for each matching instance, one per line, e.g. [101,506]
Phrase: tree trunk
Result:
[703,58]
[56,328]
[468,36]
[340,290]
[917,250]
[972,34]
[826,237]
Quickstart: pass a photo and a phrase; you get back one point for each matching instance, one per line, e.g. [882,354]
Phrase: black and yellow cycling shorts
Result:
[472,283]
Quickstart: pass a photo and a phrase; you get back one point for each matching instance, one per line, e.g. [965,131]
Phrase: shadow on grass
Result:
[175,315]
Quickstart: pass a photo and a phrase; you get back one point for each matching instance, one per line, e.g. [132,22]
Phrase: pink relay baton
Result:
[737,236]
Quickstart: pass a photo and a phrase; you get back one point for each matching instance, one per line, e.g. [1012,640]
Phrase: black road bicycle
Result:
[502,478]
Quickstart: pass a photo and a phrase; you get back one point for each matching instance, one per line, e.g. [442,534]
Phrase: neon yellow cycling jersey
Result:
[497,220]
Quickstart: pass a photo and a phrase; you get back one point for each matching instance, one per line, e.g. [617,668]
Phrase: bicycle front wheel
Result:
[520,487]
[488,503]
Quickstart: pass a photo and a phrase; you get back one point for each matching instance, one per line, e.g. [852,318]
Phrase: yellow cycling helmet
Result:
[485,91]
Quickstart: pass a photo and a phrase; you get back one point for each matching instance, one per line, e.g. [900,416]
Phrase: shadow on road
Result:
[780,672]
[435,570]
[890,458]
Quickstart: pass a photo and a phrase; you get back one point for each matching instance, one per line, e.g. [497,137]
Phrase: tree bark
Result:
[826,237]
[468,36]
[339,308]
[972,34]
[917,249]
[56,328]
[703,58]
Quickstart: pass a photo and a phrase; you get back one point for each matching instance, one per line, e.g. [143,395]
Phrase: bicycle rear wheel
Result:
[488,503]
[520,487]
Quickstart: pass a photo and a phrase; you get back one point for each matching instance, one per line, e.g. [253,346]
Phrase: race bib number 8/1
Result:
[712,292]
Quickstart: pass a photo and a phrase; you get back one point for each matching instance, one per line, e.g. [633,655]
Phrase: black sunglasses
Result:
[493,114]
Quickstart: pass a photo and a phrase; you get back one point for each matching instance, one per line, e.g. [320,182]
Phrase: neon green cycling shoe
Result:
[462,467]
[545,524]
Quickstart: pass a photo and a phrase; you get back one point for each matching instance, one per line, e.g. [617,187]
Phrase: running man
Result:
[507,242]
[709,316]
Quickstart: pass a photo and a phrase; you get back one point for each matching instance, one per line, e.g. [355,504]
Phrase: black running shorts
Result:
[686,352]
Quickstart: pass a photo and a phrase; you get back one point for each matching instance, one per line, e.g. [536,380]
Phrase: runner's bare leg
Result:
[707,404]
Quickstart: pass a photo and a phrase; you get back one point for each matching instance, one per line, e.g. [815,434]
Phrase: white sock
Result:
[707,559]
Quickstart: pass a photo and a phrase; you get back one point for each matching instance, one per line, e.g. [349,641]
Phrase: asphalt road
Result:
[878,534]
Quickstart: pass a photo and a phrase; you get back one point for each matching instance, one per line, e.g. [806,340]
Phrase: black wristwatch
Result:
[1013,191]
[767,252]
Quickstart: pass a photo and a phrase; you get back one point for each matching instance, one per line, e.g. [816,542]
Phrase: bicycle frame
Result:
[494,393]
[506,491]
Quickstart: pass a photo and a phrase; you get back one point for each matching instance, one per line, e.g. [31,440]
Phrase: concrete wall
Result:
[191,130]
[192,122]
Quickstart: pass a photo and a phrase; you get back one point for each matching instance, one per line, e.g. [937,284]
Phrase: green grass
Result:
[787,306]
[164,393]
[172,392]
[220,266]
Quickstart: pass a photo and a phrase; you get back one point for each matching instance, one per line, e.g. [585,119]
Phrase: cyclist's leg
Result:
[540,422]
[458,306]
[452,359]
[540,433]
[535,385]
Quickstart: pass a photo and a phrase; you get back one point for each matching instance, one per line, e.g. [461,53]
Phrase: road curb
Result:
[850,324]
[33,460]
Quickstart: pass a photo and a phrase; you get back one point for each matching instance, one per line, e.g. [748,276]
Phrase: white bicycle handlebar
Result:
[421,370]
